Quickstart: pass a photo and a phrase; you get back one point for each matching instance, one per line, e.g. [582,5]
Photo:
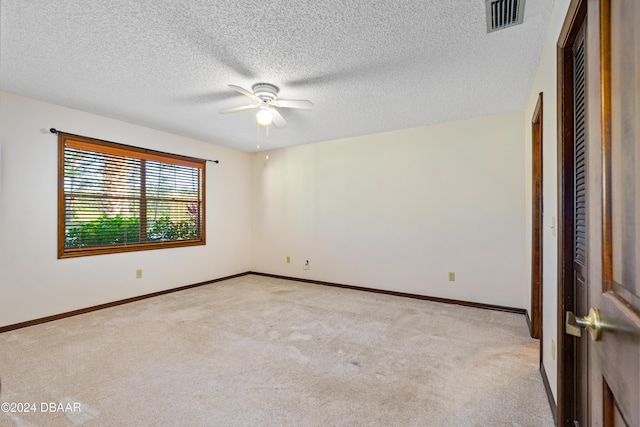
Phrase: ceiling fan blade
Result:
[278,120]
[244,92]
[295,103]
[236,109]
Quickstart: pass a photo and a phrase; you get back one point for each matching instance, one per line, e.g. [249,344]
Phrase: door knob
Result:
[592,323]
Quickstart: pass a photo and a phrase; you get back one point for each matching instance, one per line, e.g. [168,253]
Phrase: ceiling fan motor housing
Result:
[265,91]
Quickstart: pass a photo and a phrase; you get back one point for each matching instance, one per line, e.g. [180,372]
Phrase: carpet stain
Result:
[19,422]
[297,336]
[85,413]
[295,354]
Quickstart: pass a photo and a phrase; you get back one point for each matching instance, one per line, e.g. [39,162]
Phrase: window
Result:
[117,198]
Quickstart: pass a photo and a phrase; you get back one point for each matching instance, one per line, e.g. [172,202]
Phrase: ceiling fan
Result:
[265,97]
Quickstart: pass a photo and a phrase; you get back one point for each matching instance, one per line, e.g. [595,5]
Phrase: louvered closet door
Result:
[580,222]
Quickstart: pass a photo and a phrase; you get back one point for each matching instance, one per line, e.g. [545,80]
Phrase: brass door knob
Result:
[592,323]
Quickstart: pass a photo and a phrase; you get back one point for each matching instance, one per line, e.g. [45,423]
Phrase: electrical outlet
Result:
[553,348]
[452,276]
[288,260]
[306,265]
[139,273]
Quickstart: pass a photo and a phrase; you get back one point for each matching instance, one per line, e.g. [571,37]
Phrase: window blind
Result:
[114,197]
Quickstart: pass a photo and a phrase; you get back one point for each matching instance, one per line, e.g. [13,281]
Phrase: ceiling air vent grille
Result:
[504,13]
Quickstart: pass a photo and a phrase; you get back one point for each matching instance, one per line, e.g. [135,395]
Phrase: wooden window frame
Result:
[106,147]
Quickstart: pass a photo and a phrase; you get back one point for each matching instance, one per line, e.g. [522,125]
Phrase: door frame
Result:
[566,347]
[535,325]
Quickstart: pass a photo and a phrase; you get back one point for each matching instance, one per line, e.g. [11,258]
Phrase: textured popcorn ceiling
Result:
[368,66]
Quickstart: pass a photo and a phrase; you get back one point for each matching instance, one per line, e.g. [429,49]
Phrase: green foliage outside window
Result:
[104,231]
[164,229]
[118,230]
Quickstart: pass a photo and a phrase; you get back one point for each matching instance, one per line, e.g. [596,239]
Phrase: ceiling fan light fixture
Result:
[265,98]
[264,117]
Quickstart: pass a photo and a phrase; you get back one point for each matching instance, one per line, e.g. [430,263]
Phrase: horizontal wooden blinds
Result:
[117,198]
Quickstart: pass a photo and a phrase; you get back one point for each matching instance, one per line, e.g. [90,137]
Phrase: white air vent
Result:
[504,13]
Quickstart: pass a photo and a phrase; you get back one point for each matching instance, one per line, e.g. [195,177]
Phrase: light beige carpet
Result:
[257,351]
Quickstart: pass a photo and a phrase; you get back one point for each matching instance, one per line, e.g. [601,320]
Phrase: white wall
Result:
[400,210]
[34,283]
[546,82]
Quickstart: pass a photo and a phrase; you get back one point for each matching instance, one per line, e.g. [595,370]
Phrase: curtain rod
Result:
[54,130]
